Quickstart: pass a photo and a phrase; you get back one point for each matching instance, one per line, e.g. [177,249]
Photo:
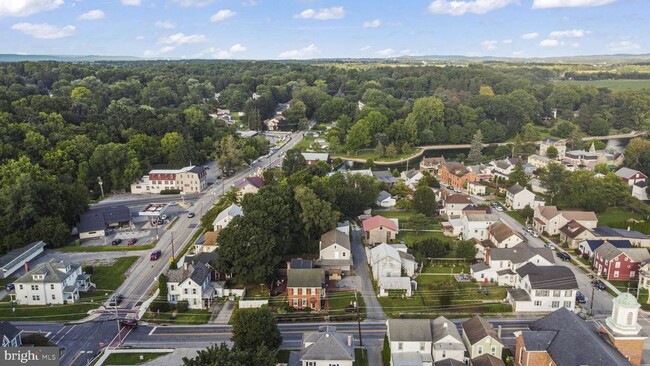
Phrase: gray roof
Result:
[383,195]
[482,217]
[575,342]
[384,176]
[335,237]
[54,271]
[608,231]
[232,211]
[305,277]
[99,219]
[406,256]
[477,328]
[411,173]
[208,258]
[549,277]
[516,189]
[478,267]
[520,253]
[299,263]
[449,362]
[8,330]
[327,346]
[443,327]
[409,330]
[626,173]
[487,359]
[316,156]
[518,294]
[9,259]
[197,273]
[538,341]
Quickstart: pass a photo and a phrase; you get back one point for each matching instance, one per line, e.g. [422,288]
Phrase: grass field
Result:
[517,216]
[131,358]
[111,277]
[614,85]
[338,300]
[616,215]
[188,317]
[104,248]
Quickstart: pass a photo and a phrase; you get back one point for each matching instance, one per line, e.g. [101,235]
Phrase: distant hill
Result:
[65,58]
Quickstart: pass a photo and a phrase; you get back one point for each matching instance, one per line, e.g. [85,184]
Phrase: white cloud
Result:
[489,44]
[131,2]
[222,15]
[139,38]
[623,46]
[219,53]
[160,51]
[335,12]
[364,48]
[547,4]
[385,52]
[507,41]
[305,52]
[180,38]
[460,7]
[518,53]
[372,23]
[530,35]
[44,30]
[165,24]
[192,3]
[549,43]
[570,33]
[92,15]
[23,8]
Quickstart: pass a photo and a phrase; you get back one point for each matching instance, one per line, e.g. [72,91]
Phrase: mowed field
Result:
[614,85]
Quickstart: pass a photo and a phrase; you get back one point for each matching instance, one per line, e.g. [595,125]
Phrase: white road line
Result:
[153,330]
[48,335]
[57,333]
[66,333]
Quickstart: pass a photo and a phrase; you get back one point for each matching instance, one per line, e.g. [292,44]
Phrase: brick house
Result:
[456,175]
[619,263]
[305,288]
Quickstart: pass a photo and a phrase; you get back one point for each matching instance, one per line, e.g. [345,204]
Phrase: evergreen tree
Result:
[475,152]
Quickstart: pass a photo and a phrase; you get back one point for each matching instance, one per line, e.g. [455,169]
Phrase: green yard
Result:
[404,215]
[517,216]
[104,248]
[410,237]
[339,300]
[131,358]
[615,216]
[111,277]
[173,317]
[447,268]
[614,85]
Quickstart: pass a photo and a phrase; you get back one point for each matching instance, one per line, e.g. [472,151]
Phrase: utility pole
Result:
[101,185]
[173,251]
[119,331]
[591,305]
[356,305]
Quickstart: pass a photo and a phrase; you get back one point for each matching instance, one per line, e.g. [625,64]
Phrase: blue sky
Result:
[277,29]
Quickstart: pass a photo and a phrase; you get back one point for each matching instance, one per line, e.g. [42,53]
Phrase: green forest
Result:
[64,125]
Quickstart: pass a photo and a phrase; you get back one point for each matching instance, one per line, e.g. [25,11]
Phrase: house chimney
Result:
[350,340]
[628,228]
[26,267]
[185,265]
[499,331]
[444,325]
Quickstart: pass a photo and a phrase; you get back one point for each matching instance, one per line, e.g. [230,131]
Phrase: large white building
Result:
[543,289]
[52,282]
[190,179]
[190,283]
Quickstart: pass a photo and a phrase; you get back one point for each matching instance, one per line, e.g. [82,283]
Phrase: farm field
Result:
[614,85]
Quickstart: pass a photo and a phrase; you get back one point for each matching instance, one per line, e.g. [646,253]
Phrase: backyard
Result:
[615,216]
[131,358]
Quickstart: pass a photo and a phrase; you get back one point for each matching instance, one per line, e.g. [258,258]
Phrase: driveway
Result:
[360,265]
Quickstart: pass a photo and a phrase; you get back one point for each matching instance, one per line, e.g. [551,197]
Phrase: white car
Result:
[499,208]
[535,234]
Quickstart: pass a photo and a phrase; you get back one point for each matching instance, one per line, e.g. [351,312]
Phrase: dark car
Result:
[10,287]
[116,241]
[132,241]
[563,256]
[580,298]
[599,285]
[155,255]
[131,323]
[115,300]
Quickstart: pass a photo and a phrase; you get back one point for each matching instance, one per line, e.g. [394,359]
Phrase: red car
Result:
[132,241]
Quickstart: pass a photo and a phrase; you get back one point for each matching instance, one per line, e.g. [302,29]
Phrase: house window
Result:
[567,304]
[185,291]
[632,274]
[34,287]
[630,318]
[304,302]
[615,273]
[538,303]
[421,346]
[444,354]
[400,346]
[311,363]
[493,351]
[172,287]
[617,265]
[193,291]
[480,350]
[555,304]
[20,287]
[295,303]
[556,293]
[343,254]
[36,298]
[542,292]
[52,286]
[568,293]
[53,297]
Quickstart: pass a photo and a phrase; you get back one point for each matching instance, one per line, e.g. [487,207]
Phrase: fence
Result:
[249,304]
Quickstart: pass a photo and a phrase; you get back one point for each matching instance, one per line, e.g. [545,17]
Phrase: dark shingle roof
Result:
[569,340]
[549,277]
[608,231]
[54,271]
[594,244]
[518,294]
[449,362]
[409,330]
[383,195]
[8,330]
[521,253]
[305,277]
[335,236]
[327,346]
[477,328]
[515,189]
[487,359]
[18,253]
[98,219]
[197,273]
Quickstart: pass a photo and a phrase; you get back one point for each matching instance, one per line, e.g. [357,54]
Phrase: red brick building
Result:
[305,288]
[456,175]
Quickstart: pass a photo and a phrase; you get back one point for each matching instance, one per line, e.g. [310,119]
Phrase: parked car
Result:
[528,228]
[598,284]
[116,241]
[580,298]
[163,217]
[190,214]
[130,323]
[563,256]
[549,246]
[155,255]
[499,208]
[10,287]
[534,234]
[132,241]
[115,300]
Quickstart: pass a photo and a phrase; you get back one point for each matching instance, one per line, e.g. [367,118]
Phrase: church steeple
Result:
[624,315]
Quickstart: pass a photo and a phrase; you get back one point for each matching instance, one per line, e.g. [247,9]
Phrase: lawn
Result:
[360,357]
[104,248]
[404,215]
[257,292]
[410,237]
[5,281]
[446,268]
[615,216]
[305,143]
[188,317]
[614,85]
[106,278]
[131,358]
[339,300]
[517,216]
[643,299]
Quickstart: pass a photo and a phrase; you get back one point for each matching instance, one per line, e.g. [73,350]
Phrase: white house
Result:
[550,220]
[480,338]
[475,226]
[10,335]
[503,236]
[501,263]
[411,178]
[190,283]
[385,199]
[388,261]
[335,251]
[447,342]
[543,288]
[454,204]
[640,191]
[52,282]
[476,189]
[518,197]
[224,217]
[324,348]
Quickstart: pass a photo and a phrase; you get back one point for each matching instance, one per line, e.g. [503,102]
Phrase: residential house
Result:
[389,260]
[580,160]
[385,199]
[640,191]
[447,342]
[335,253]
[475,226]
[550,220]
[473,209]
[573,233]
[487,359]
[324,348]
[456,175]
[10,335]
[588,247]
[453,205]
[476,189]
[631,176]
[190,283]
[501,263]
[277,123]
[190,179]
[432,165]
[312,158]
[564,338]
[206,243]
[480,338]
[452,228]
[424,342]
[94,223]
[560,145]
[52,282]
[249,185]
[537,187]
[385,176]
[306,288]
[15,259]
[503,168]
[224,217]
[379,229]
[518,197]
[543,288]
[411,178]
[619,263]
[637,238]
[538,161]
[209,259]
[299,263]
[402,284]
[503,236]
[644,276]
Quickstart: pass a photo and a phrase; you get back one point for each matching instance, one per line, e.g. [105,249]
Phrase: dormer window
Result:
[38,276]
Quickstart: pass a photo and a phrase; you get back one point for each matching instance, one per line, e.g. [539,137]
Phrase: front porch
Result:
[83,283]
[70,294]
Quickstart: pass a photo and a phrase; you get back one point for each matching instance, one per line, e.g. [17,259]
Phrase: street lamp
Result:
[101,185]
